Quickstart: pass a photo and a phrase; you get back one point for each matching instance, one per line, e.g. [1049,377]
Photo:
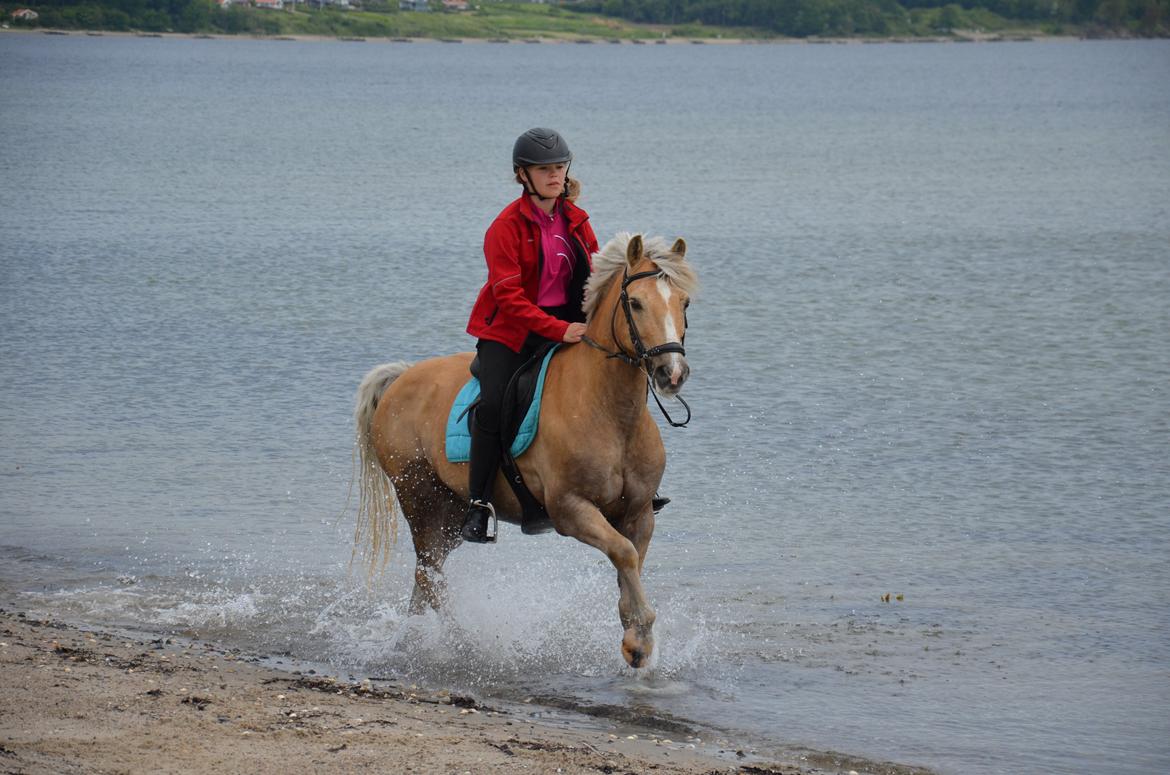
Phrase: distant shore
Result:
[82,700]
[966,36]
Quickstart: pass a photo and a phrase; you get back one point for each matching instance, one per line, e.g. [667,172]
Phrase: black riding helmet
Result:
[540,146]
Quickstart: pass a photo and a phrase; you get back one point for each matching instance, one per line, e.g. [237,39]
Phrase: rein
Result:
[642,354]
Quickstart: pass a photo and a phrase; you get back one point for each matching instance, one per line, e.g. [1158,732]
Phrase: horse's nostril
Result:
[670,376]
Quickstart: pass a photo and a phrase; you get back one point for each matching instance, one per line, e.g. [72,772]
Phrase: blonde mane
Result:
[611,260]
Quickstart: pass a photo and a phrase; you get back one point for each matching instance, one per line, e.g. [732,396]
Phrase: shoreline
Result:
[81,699]
[961,36]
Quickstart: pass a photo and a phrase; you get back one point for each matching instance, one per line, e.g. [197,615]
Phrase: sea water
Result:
[921,513]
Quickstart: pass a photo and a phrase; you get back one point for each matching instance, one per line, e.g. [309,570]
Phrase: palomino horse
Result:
[596,461]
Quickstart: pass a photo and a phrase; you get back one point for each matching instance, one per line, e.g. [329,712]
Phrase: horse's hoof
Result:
[637,656]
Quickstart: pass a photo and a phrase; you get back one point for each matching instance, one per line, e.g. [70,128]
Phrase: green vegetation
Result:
[377,19]
[805,18]
[616,19]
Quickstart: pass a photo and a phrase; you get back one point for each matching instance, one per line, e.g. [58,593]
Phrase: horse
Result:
[597,459]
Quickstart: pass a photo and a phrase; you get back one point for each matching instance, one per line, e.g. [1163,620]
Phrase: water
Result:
[931,358]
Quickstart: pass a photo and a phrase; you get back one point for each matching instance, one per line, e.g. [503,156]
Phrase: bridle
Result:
[642,354]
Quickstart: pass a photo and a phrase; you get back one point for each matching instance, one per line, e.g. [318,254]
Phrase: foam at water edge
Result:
[539,623]
[228,610]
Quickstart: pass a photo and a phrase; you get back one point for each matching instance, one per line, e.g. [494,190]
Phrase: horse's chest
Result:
[627,479]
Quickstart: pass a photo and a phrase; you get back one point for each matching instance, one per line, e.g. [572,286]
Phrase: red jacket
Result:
[505,310]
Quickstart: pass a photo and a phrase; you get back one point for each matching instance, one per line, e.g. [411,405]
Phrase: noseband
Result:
[642,354]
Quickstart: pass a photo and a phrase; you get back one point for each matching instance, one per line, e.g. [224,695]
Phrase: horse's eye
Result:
[635,305]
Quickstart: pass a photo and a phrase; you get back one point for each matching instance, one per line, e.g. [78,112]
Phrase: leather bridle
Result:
[642,354]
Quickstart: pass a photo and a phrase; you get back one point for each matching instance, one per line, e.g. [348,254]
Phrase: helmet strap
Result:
[529,187]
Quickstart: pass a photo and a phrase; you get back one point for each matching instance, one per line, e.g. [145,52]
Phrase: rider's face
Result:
[547,179]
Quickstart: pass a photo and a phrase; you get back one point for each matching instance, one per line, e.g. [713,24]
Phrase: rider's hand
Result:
[574,332]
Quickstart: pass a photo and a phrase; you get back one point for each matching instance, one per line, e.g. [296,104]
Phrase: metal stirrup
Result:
[489,535]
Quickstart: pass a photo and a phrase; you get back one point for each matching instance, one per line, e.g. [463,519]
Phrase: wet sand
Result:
[75,700]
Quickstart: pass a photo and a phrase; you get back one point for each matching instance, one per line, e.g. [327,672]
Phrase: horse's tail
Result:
[377,523]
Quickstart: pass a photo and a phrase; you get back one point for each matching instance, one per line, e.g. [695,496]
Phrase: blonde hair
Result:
[572,186]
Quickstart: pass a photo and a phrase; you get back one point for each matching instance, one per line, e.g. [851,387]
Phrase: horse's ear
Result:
[634,250]
[679,247]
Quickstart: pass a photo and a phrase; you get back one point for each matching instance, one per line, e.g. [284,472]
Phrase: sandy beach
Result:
[76,700]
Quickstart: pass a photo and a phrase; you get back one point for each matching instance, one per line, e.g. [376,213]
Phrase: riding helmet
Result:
[540,146]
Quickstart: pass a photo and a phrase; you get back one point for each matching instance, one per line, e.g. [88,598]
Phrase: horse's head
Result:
[649,298]
[656,313]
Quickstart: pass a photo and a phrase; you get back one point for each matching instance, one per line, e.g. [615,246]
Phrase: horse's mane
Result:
[611,260]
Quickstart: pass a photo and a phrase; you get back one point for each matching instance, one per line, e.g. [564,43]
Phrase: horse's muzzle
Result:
[670,375]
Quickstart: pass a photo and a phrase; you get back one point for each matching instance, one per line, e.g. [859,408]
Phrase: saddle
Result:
[522,391]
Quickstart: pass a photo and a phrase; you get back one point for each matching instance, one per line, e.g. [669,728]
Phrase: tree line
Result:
[148,16]
[797,18]
[805,18]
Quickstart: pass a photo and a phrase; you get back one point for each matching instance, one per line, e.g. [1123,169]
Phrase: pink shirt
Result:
[557,269]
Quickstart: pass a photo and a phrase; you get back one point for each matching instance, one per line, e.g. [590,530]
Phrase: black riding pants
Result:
[497,364]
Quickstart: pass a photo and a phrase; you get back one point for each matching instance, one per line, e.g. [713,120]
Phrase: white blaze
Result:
[671,333]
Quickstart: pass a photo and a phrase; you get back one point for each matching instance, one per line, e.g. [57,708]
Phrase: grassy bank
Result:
[504,21]
[494,21]
[488,20]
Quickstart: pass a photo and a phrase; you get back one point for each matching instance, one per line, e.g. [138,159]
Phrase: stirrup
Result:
[657,502]
[476,525]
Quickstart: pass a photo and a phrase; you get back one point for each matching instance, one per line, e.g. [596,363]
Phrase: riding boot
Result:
[480,525]
[658,502]
[485,459]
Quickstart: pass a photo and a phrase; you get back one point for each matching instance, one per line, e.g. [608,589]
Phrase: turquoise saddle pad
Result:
[458,434]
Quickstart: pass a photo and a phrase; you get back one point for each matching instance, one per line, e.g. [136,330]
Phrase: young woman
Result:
[538,258]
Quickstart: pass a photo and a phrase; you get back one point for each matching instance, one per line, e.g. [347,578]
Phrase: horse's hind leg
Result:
[434,515]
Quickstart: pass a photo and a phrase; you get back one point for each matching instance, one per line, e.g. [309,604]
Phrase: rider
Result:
[538,258]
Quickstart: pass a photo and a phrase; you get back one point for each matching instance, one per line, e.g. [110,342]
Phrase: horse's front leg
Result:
[580,519]
[638,526]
